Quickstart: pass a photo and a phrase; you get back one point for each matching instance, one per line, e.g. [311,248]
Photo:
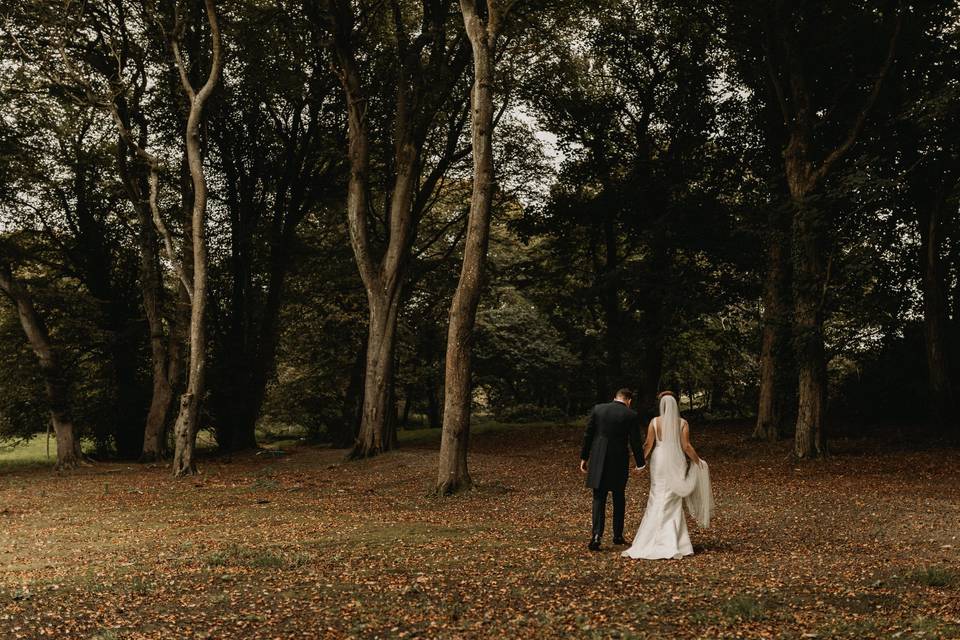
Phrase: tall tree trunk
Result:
[346,435]
[137,187]
[407,403]
[55,383]
[776,362]
[656,319]
[384,290]
[651,368]
[373,437]
[261,357]
[233,402]
[155,431]
[129,408]
[810,274]
[935,316]
[434,416]
[425,61]
[188,420]
[452,474]
[382,279]
[610,299]
[248,360]
[179,333]
[783,46]
[92,259]
[384,284]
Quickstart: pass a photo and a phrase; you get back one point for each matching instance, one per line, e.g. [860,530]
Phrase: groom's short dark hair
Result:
[626,394]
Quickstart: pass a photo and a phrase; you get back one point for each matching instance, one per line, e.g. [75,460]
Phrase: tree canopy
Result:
[390,214]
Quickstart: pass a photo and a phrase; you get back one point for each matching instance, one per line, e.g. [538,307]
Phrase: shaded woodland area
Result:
[281,280]
[349,218]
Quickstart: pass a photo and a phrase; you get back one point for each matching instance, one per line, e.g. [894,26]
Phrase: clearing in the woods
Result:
[303,544]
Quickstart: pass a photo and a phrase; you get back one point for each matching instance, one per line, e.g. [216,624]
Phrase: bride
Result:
[663,531]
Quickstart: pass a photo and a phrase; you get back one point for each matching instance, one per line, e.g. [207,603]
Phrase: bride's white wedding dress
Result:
[663,531]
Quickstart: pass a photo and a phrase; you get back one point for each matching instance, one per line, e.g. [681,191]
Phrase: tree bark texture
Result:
[188,419]
[54,380]
[453,474]
[775,351]
[805,172]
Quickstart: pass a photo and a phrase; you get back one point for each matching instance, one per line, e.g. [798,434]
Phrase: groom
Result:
[604,457]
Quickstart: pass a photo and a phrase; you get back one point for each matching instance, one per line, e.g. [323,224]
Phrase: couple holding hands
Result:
[678,476]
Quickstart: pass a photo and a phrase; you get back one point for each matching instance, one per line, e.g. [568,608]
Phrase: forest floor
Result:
[863,544]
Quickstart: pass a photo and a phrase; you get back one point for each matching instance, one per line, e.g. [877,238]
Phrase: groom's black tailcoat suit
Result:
[612,430]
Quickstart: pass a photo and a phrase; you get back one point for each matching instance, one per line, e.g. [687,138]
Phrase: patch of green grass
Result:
[274,445]
[934,577]
[32,452]
[405,532]
[618,634]
[20,595]
[91,582]
[28,453]
[701,618]
[280,434]
[267,484]
[743,607]
[237,556]
[850,629]
[477,428]
[457,609]
[139,586]
[934,627]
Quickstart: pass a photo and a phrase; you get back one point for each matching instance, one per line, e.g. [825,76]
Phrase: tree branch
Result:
[775,82]
[359,143]
[177,57]
[168,244]
[861,118]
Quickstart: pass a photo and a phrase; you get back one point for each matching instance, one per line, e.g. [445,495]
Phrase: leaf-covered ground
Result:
[863,544]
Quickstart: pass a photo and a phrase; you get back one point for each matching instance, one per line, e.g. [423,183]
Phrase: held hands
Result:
[636,470]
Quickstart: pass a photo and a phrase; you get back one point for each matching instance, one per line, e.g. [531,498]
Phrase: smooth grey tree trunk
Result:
[373,437]
[453,475]
[54,380]
[384,276]
[188,419]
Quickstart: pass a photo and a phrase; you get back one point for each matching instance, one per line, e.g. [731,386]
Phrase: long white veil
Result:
[692,485]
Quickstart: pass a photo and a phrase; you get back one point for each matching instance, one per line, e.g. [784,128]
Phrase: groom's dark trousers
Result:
[600,508]
[613,429]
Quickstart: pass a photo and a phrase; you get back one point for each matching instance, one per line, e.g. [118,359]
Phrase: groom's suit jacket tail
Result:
[609,429]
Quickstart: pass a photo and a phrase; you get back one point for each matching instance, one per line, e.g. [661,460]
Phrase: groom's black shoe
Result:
[619,540]
[594,544]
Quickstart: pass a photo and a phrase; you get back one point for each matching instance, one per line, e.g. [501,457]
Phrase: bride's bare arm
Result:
[651,440]
[685,443]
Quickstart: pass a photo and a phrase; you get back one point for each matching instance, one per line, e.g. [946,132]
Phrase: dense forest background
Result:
[752,203]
